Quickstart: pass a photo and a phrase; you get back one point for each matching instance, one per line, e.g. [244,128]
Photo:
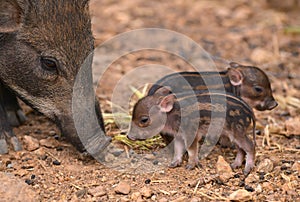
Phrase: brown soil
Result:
[247,32]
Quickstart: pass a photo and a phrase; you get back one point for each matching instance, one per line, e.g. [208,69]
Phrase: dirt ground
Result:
[248,32]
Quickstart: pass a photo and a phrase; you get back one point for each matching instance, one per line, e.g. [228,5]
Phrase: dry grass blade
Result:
[292,30]
[148,144]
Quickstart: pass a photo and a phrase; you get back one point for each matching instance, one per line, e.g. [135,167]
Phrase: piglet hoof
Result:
[247,170]
[16,143]
[3,146]
[234,165]
[174,164]
[16,118]
[192,166]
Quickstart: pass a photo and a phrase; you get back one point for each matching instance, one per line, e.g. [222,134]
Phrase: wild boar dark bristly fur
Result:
[42,47]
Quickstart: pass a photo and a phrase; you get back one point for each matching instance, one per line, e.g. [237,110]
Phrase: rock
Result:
[149,157]
[296,166]
[180,199]
[49,142]
[252,178]
[292,126]
[146,192]
[259,188]
[194,200]
[116,151]
[135,196]
[124,199]
[30,143]
[153,197]
[123,188]
[97,191]
[223,169]
[81,193]
[14,189]
[260,55]
[163,200]
[240,195]
[265,166]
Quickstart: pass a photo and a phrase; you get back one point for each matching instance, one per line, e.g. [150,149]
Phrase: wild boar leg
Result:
[15,115]
[179,149]
[6,133]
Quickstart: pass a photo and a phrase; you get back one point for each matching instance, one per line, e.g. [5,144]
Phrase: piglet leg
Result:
[179,149]
[243,142]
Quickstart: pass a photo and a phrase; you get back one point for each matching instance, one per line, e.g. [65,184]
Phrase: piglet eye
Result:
[144,120]
[258,89]
[49,64]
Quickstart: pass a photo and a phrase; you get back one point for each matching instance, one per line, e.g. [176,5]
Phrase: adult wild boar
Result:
[43,44]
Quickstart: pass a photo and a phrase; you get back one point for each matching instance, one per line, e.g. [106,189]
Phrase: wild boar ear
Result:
[164,90]
[10,16]
[167,103]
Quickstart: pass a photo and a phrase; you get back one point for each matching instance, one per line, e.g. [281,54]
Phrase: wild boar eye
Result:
[258,89]
[144,120]
[49,64]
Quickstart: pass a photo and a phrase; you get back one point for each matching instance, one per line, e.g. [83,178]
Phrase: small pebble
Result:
[123,188]
[249,188]
[236,175]
[30,143]
[56,162]
[155,162]
[147,181]
[223,169]
[240,195]
[242,183]
[32,177]
[265,166]
[261,176]
[80,193]
[283,167]
[28,181]
[146,192]
[59,148]
[97,191]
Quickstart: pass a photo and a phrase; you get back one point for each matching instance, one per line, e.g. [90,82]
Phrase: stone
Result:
[265,166]
[30,143]
[135,196]
[97,191]
[49,142]
[146,192]
[123,188]
[181,199]
[163,200]
[260,55]
[15,189]
[240,195]
[223,169]
[194,200]
[292,126]
[296,166]
[252,178]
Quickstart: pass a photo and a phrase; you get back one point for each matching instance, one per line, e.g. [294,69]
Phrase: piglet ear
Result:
[10,16]
[167,103]
[164,90]
[235,76]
